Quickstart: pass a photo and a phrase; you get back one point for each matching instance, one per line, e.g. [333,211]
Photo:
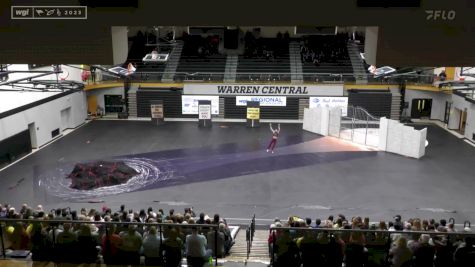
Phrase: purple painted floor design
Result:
[183,166]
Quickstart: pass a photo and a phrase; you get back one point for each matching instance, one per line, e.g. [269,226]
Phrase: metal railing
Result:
[358,126]
[270,77]
[250,235]
[377,241]
[52,226]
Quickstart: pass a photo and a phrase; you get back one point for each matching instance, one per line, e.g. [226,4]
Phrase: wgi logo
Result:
[440,14]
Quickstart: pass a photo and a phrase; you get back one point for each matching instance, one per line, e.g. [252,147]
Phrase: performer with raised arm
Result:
[275,135]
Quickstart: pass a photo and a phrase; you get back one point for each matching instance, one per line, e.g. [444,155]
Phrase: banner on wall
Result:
[330,102]
[263,89]
[265,101]
[189,103]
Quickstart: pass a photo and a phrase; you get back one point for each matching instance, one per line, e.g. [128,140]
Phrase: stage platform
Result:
[226,170]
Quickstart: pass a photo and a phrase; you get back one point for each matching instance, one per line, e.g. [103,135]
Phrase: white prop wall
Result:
[404,140]
[316,120]
[394,136]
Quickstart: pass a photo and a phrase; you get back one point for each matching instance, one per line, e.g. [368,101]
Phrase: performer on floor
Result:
[275,135]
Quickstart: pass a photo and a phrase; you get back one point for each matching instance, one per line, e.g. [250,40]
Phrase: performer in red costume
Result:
[275,135]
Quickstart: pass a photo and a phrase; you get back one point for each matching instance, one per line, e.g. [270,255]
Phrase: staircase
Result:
[296,75]
[172,63]
[259,249]
[359,70]
[230,69]
[132,99]
[395,104]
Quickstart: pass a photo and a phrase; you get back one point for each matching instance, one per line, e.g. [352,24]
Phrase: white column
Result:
[371,45]
[120,44]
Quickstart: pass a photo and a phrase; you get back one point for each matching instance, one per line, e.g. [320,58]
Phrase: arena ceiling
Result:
[433,33]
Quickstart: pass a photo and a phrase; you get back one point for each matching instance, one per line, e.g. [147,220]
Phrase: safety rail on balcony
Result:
[272,77]
[251,228]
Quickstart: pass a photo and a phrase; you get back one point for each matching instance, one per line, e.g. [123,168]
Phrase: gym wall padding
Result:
[171,102]
[14,147]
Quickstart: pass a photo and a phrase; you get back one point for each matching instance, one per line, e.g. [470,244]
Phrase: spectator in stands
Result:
[18,237]
[191,212]
[93,74]
[196,252]
[308,222]
[131,244]
[442,76]
[172,248]
[111,243]
[151,247]
[87,242]
[66,243]
[423,252]
[201,220]
[400,254]
[317,223]
[465,253]
[40,245]
[220,249]
[286,251]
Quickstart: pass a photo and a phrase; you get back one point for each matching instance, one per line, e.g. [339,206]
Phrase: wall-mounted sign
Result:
[189,103]
[330,102]
[263,89]
[265,101]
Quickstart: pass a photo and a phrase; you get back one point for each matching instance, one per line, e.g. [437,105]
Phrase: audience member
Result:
[400,254]
[196,252]
[151,247]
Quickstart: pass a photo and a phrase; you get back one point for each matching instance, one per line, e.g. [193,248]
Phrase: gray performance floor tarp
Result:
[226,170]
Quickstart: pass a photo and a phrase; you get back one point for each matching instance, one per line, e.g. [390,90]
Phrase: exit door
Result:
[463,121]
[421,108]
[113,103]
[448,106]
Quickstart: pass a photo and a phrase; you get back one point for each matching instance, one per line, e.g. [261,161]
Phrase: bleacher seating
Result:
[262,57]
[197,64]
[111,237]
[406,243]
[325,54]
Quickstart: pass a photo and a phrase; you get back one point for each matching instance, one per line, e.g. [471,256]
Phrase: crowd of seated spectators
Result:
[324,49]
[196,45]
[312,248]
[257,47]
[116,243]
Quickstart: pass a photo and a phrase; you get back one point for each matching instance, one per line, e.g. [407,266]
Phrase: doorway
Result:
[33,138]
[421,108]
[448,106]
[65,118]
[463,121]
[113,103]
